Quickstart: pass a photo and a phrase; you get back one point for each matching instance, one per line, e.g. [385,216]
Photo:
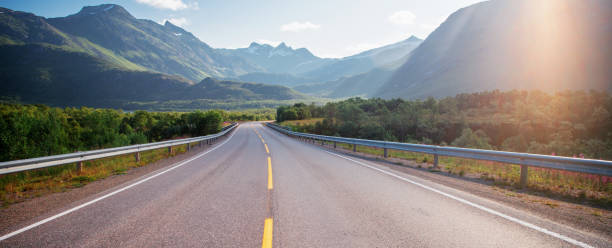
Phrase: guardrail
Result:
[591,166]
[80,157]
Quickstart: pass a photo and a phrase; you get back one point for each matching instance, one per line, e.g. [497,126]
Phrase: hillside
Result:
[269,59]
[18,27]
[48,74]
[364,62]
[165,48]
[545,45]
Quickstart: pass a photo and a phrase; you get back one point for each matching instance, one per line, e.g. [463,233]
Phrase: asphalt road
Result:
[310,197]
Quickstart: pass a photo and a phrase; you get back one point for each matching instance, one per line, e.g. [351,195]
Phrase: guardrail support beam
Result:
[524,170]
[435,165]
[188,147]
[170,150]
[386,154]
[137,157]
[79,167]
[334,144]
[354,147]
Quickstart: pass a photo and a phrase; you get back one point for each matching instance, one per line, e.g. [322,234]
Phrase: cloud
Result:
[269,42]
[403,17]
[299,26]
[181,22]
[166,4]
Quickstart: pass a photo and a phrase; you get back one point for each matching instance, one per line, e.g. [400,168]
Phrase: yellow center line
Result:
[269,173]
[267,235]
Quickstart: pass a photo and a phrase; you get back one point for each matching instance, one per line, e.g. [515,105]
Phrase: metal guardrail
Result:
[591,166]
[80,157]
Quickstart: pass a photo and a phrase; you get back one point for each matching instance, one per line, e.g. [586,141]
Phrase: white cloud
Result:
[166,4]
[181,22]
[269,42]
[403,17]
[299,26]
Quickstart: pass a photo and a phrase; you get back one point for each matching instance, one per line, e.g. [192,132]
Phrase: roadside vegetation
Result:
[28,131]
[17,187]
[569,123]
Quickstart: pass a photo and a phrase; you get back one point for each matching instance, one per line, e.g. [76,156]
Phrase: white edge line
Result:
[6,236]
[483,208]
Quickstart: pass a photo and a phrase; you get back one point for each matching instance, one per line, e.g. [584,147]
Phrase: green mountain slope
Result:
[163,48]
[18,27]
[38,73]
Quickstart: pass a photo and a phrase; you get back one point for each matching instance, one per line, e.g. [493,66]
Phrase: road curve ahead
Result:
[259,188]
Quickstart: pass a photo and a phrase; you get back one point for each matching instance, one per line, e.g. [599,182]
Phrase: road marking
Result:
[267,235]
[267,150]
[269,173]
[6,236]
[491,211]
[260,137]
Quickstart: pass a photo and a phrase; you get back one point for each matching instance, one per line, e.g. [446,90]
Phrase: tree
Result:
[470,139]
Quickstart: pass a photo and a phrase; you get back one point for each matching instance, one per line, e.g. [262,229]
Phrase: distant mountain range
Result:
[301,67]
[151,62]
[103,56]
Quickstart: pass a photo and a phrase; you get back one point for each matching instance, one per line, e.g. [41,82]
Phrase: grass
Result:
[301,122]
[17,187]
[578,187]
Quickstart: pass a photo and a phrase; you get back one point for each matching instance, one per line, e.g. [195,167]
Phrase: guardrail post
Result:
[334,144]
[170,150]
[524,170]
[137,157]
[435,165]
[322,142]
[386,154]
[354,147]
[188,147]
[79,167]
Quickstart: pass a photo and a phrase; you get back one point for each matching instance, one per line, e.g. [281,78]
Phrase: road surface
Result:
[261,187]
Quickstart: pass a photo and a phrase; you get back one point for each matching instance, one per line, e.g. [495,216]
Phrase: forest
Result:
[28,131]
[566,123]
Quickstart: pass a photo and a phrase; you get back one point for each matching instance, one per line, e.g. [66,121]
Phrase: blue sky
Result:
[328,28]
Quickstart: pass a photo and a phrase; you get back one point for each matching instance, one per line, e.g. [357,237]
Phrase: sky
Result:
[328,28]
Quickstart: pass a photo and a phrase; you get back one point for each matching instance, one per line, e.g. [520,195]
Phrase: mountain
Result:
[279,59]
[314,74]
[49,74]
[164,48]
[285,79]
[548,45]
[364,62]
[18,27]
[364,85]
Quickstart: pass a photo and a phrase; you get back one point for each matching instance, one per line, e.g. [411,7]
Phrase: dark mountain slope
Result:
[519,44]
